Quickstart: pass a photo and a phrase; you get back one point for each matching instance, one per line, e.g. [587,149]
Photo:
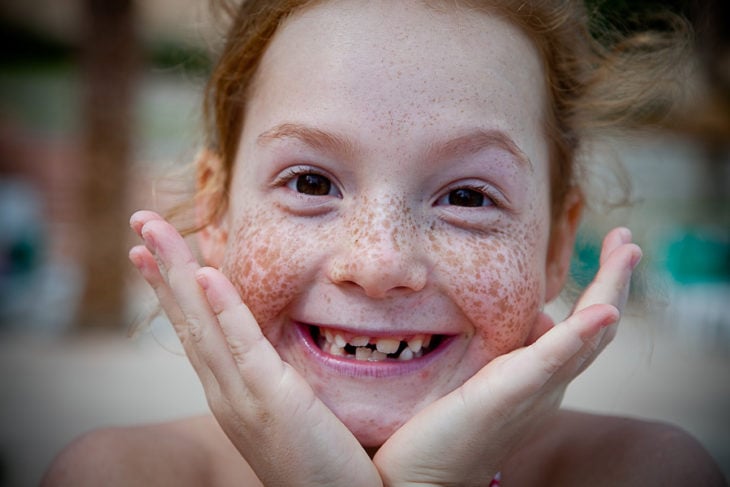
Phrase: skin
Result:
[388,103]
[382,254]
[397,115]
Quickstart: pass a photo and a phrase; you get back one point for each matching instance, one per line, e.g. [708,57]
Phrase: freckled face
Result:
[391,181]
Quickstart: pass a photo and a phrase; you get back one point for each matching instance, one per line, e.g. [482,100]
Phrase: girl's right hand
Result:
[269,412]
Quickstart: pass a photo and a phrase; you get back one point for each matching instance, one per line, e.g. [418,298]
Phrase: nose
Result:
[381,253]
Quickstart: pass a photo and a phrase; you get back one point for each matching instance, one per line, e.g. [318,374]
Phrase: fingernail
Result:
[132,221]
[202,280]
[612,319]
[136,259]
[149,241]
[626,235]
[635,260]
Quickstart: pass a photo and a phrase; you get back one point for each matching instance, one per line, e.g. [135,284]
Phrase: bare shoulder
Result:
[588,449]
[191,451]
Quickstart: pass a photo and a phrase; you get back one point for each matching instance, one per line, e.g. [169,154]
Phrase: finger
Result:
[255,358]
[195,322]
[618,259]
[572,345]
[613,240]
[172,253]
[148,268]
[277,401]
[146,264]
[198,323]
[611,284]
[139,218]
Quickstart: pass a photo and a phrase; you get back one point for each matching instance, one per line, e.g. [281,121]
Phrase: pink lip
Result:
[359,368]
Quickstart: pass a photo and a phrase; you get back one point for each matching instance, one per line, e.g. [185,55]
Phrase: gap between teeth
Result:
[373,350]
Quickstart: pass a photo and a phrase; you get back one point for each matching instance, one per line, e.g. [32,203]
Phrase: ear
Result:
[210,207]
[562,240]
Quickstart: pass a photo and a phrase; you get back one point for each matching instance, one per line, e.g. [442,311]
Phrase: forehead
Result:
[401,70]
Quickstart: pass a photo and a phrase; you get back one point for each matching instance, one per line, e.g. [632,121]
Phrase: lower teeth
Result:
[406,354]
[377,356]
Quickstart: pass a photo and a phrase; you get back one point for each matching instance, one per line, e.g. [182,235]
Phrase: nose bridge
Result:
[382,250]
[379,224]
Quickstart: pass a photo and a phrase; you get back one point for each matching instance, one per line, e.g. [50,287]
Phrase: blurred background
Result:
[100,109]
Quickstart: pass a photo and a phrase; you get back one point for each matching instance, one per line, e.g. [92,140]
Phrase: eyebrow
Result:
[479,139]
[315,138]
[469,143]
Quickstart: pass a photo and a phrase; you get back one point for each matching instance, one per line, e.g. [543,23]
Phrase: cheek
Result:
[498,282]
[264,262]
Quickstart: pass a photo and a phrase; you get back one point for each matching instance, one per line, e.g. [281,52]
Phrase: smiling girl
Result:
[388,200]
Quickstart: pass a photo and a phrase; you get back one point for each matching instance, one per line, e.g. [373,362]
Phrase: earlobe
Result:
[562,240]
[210,207]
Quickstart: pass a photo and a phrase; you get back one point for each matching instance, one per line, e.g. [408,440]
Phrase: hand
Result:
[463,438]
[285,433]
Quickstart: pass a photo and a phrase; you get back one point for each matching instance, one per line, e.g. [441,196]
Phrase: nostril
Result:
[378,273]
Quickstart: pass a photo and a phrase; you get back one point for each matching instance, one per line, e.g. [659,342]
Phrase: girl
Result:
[388,201]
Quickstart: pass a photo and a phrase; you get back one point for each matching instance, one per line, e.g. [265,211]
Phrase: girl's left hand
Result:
[463,438]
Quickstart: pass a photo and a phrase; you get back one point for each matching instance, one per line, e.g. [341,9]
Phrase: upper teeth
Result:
[372,349]
[387,345]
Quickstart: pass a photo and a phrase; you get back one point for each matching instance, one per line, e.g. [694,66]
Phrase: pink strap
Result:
[496,480]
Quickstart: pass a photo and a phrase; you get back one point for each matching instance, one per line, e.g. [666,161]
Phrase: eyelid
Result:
[288,174]
[495,196]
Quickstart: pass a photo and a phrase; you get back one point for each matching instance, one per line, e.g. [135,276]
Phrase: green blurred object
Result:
[586,257]
[699,258]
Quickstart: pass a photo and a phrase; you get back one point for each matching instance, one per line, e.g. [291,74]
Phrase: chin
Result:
[372,417]
[374,398]
[375,430]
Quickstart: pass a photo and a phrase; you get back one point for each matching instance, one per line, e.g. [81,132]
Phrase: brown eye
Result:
[467,197]
[313,184]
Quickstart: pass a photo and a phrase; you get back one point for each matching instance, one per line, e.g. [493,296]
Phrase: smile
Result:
[339,343]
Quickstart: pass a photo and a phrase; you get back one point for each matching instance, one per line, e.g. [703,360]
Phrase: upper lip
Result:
[424,312]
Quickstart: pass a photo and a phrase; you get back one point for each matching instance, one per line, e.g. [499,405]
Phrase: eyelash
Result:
[491,199]
[291,174]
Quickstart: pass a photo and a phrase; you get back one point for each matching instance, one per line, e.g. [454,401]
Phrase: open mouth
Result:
[374,349]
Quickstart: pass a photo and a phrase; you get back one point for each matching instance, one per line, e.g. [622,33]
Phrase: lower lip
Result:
[364,368]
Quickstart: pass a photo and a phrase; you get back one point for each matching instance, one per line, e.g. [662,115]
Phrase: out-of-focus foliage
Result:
[22,45]
[636,15]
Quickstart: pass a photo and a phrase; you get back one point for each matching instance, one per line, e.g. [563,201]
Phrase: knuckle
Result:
[239,349]
[219,311]
[180,331]
[195,328]
[161,267]
[175,275]
[551,365]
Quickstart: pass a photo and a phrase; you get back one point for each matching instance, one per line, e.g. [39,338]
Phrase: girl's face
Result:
[389,209]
